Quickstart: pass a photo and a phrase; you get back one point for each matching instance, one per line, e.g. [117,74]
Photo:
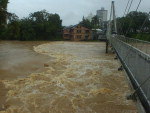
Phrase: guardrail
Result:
[136,61]
[144,46]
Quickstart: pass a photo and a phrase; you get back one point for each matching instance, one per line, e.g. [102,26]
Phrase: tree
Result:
[46,26]
[135,25]
[39,25]
[95,22]
[3,11]
[3,15]
[133,22]
[13,27]
[86,23]
[27,31]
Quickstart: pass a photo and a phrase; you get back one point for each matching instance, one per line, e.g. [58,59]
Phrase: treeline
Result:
[135,25]
[94,23]
[3,14]
[39,25]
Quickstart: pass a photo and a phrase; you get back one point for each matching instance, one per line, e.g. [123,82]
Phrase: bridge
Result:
[134,56]
[78,78]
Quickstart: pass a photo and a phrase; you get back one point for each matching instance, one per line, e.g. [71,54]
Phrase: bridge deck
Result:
[81,79]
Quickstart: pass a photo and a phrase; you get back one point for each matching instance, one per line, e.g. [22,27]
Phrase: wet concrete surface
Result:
[81,78]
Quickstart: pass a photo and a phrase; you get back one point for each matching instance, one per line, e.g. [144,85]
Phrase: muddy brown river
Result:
[17,60]
[61,77]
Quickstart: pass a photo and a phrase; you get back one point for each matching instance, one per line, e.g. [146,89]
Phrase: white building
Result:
[102,14]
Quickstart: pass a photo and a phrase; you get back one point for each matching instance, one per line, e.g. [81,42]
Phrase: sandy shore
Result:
[81,78]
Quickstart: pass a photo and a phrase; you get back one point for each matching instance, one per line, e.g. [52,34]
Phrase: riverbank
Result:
[80,79]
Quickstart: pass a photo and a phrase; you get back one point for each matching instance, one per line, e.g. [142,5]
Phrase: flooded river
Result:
[17,60]
[78,78]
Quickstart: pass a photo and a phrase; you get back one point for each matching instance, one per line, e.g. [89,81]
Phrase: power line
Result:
[137,35]
[132,19]
[130,6]
[138,5]
[126,8]
[145,21]
[140,28]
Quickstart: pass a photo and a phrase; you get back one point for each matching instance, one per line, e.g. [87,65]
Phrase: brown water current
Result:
[18,60]
[81,78]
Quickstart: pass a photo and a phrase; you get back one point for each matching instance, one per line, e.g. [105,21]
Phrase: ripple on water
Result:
[73,83]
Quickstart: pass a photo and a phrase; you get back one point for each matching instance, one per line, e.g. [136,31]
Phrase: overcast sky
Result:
[71,11]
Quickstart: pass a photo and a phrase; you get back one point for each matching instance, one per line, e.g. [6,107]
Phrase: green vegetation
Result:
[42,25]
[135,25]
[3,14]
[39,25]
[94,24]
[141,36]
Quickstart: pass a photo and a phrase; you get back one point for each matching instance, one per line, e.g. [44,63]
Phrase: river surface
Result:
[17,60]
[61,77]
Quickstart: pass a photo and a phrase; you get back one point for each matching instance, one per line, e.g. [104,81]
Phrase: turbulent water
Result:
[80,78]
[18,60]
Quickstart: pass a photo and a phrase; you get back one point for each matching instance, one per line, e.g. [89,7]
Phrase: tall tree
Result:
[86,23]
[133,22]
[95,22]
[13,27]
[46,25]
[39,25]
[3,12]
[3,16]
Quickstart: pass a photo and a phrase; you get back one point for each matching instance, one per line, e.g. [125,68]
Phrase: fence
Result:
[136,60]
[144,46]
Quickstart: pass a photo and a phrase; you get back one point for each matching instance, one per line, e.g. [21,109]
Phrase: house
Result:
[77,33]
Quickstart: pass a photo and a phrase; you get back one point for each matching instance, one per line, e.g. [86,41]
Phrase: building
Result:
[102,14]
[77,33]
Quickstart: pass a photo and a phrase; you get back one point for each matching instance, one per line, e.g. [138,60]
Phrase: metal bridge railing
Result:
[136,59]
[144,46]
